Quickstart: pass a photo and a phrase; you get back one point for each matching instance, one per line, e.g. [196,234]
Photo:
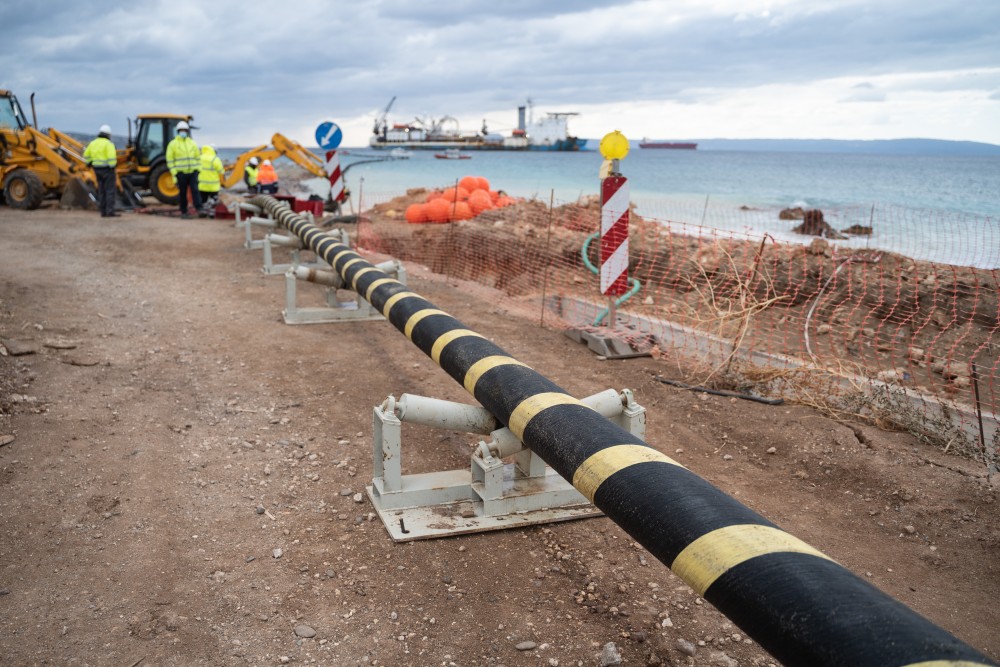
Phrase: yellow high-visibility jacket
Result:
[182,156]
[210,171]
[250,176]
[101,153]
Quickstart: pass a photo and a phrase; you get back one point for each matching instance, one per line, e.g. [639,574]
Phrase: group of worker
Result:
[198,172]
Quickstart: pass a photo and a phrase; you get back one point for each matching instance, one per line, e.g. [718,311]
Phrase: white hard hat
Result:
[183,125]
[254,161]
[105,129]
[267,162]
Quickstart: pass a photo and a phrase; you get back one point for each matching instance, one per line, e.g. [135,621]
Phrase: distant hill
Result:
[85,138]
[876,146]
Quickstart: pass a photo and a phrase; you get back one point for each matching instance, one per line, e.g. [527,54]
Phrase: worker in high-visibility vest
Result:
[183,160]
[210,174]
[103,157]
[250,175]
[267,178]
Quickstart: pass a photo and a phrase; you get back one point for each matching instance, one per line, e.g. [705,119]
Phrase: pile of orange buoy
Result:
[469,199]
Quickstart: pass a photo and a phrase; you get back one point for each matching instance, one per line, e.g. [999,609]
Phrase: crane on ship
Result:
[381,126]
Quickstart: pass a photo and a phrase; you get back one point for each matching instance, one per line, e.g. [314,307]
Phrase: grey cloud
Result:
[241,70]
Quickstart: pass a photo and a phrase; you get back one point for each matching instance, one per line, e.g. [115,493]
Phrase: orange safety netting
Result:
[841,325]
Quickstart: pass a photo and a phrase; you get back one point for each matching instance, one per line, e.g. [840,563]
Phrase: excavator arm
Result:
[281,146]
[47,157]
[233,172]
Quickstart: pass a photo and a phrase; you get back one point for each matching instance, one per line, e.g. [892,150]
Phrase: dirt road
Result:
[178,484]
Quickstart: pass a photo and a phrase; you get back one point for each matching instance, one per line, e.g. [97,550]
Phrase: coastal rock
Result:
[813,224]
[796,213]
[858,230]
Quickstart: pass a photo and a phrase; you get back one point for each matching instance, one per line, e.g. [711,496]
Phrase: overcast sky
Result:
[673,69]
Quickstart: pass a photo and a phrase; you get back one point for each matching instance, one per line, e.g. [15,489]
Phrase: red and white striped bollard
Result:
[336,177]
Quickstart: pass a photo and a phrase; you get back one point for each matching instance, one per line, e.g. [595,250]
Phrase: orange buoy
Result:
[460,211]
[494,196]
[480,201]
[504,200]
[484,184]
[438,210]
[435,194]
[470,183]
[453,194]
[416,213]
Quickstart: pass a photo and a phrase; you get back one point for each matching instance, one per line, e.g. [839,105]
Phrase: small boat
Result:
[400,154]
[452,154]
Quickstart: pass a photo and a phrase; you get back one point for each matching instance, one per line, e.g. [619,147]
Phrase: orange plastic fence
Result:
[841,324]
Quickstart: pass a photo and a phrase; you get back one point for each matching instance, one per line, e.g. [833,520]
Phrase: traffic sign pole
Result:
[329,136]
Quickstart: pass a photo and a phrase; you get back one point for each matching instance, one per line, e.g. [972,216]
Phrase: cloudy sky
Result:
[842,69]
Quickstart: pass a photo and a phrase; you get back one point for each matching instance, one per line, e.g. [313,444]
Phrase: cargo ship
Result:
[682,145]
[550,133]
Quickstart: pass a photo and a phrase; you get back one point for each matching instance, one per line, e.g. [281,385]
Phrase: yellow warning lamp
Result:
[614,146]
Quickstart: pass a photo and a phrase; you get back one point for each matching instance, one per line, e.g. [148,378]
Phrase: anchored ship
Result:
[550,133]
[646,143]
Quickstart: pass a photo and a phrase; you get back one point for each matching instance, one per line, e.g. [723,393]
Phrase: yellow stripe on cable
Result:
[478,369]
[375,285]
[417,316]
[715,553]
[392,300]
[354,283]
[531,406]
[347,265]
[446,338]
[603,464]
[333,262]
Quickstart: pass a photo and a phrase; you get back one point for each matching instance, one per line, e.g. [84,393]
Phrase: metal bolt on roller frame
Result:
[800,605]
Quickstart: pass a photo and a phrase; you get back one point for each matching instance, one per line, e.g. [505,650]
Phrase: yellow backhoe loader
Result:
[32,164]
[142,164]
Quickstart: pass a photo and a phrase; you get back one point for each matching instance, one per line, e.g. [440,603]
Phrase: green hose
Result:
[636,285]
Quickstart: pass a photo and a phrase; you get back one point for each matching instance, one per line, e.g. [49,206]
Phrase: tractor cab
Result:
[147,160]
[153,133]
[11,115]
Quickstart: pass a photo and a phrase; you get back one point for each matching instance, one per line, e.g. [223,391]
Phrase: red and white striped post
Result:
[614,222]
[614,235]
[335,175]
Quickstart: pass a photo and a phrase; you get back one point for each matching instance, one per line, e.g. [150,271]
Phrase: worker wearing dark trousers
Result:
[102,156]
[188,182]
[183,160]
[106,191]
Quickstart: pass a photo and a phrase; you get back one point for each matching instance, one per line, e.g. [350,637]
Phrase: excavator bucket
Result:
[127,197]
[78,194]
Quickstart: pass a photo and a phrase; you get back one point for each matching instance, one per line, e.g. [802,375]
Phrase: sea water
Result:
[939,208]
[963,184]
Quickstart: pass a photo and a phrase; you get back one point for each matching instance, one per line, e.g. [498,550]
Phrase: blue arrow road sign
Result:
[328,135]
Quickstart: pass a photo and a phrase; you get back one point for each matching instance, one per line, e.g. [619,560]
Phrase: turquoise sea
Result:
[939,208]
[963,184]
